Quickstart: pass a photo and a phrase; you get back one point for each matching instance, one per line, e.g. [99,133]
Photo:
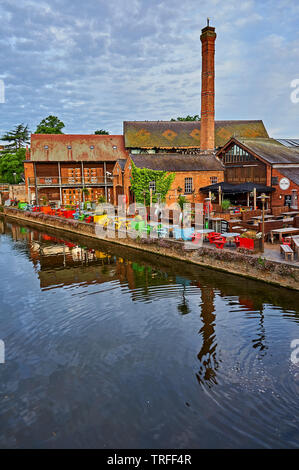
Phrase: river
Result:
[107,347]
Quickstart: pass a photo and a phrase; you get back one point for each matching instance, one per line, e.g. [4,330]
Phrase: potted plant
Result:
[225,204]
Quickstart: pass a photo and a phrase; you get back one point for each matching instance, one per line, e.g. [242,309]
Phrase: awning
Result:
[229,188]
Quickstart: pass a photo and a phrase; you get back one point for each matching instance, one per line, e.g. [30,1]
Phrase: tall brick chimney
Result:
[207,133]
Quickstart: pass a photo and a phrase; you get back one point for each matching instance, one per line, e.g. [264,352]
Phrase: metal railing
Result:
[70,181]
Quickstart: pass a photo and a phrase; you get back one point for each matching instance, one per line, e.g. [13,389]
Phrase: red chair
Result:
[287,241]
[213,235]
[196,237]
[220,242]
[237,241]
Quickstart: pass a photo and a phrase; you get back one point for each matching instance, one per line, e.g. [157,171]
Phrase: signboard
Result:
[224,226]
[284,184]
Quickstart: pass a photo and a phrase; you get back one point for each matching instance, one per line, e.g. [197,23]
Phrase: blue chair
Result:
[183,233]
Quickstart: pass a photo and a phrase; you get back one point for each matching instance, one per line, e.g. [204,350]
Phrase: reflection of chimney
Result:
[207,133]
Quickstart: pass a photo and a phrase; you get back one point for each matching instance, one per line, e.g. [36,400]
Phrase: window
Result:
[46,147]
[214,179]
[91,147]
[188,185]
[69,147]
[152,186]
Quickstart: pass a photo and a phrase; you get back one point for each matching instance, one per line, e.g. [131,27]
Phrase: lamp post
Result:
[263,199]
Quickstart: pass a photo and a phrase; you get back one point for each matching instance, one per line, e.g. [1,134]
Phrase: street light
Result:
[263,199]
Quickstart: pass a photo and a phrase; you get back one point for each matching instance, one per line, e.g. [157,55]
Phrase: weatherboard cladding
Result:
[272,151]
[66,147]
[186,134]
[176,162]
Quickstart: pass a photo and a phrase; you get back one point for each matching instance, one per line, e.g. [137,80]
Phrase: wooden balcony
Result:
[74,181]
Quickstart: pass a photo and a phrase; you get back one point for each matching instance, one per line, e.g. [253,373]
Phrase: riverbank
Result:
[247,265]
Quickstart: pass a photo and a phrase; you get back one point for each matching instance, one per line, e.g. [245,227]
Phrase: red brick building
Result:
[58,167]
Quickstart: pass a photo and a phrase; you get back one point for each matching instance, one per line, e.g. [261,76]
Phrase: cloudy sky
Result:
[96,63]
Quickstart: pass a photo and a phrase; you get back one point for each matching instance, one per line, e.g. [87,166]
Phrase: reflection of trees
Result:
[208,353]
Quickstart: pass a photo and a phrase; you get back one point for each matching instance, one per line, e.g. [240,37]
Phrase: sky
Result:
[97,63]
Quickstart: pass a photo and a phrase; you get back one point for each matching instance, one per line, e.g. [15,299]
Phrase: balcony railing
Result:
[70,181]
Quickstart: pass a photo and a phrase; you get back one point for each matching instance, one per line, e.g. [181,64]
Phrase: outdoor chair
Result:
[287,241]
[220,242]
[213,235]
[237,241]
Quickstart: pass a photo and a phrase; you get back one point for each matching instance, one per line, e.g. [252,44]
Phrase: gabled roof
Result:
[105,147]
[122,163]
[176,162]
[271,150]
[185,134]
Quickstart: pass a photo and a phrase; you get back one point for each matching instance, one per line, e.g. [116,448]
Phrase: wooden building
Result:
[263,162]
[58,167]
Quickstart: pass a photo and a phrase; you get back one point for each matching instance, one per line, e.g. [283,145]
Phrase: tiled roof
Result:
[176,162]
[186,134]
[82,147]
[272,151]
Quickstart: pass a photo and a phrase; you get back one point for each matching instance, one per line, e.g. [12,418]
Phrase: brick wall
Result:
[200,179]
[278,197]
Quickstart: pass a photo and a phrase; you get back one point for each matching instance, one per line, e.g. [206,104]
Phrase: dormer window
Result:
[114,147]
[46,147]
[92,147]
[69,147]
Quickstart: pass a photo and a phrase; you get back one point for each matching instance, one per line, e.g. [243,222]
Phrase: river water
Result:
[107,347]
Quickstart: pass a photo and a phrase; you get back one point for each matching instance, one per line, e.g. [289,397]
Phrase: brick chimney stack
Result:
[207,133]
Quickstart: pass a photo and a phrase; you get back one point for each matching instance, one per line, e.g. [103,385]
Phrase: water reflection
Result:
[180,329]
[208,353]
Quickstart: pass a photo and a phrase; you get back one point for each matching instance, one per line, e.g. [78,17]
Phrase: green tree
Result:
[17,138]
[101,132]
[11,163]
[141,179]
[196,117]
[50,125]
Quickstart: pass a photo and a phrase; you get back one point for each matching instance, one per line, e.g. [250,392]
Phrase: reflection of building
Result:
[208,353]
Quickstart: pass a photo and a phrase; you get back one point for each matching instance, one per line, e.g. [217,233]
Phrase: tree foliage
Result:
[50,125]
[141,178]
[17,138]
[196,117]
[101,132]
[11,163]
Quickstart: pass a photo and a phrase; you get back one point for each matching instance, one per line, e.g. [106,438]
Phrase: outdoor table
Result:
[287,214]
[259,217]
[283,231]
[230,236]
[204,232]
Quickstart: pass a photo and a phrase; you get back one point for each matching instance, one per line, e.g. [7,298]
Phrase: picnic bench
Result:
[287,251]
[295,242]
